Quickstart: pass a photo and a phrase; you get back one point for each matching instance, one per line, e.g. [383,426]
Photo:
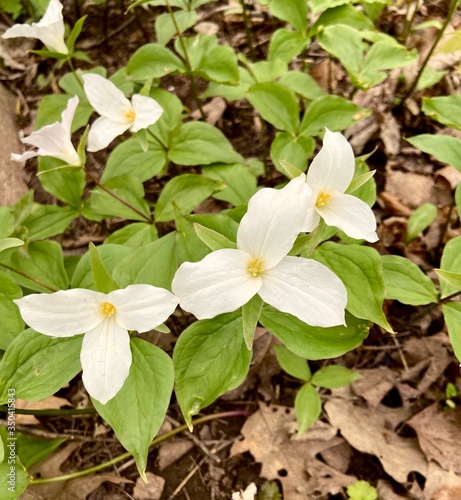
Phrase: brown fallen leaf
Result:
[171,451]
[152,490]
[51,403]
[374,385]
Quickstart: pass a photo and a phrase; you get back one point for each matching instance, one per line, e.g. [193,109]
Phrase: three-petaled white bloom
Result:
[50,29]
[54,140]
[105,319]
[227,279]
[118,114]
[329,175]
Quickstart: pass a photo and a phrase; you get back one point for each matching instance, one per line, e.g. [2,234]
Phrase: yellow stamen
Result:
[107,309]
[322,199]
[130,115]
[255,267]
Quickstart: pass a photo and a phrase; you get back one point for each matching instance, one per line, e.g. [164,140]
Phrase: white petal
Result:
[351,215]
[306,289]
[142,307]
[107,99]
[106,360]
[50,29]
[103,132]
[18,30]
[67,115]
[147,112]
[333,167]
[217,284]
[312,219]
[62,314]
[273,221]
[24,157]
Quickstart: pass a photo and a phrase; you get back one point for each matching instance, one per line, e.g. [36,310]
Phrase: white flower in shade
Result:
[227,279]
[248,494]
[50,29]
[118,114]
[105,320]
[54,140]
[329,175]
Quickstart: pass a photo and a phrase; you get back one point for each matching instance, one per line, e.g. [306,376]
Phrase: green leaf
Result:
[286,44]
[404,281]
[12,323]
[187,191]
[443,148]
[446,109]
[220,223]
[71,83]
[166,29]
[153,61]
[291,11]
[32,451]
[362,490]
[289,150]
[451,261]
[6,222]
[240,181]
[343,14]
[213,239]
[420,220]
[322,5]
[219,65]
[52,106]
[210,358]
[452,315]
[314,342]
[332,112]
[37,365]
[46,221]
[134,235]
[452,279]
[103,281]
[334,376]
[276,104]
[163,129]
[188,246]
[251,311]
[308,407]
[301,83]
[198,143]
[12,491]
[291,363]
[430,77]
[359,268]
[143,400]
[76,30]
[7,243]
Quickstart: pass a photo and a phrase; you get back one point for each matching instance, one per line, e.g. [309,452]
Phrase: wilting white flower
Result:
[118,114]
[50,29]
[227,279]
[105,320]
[248,494]
[329,175]
[54,140]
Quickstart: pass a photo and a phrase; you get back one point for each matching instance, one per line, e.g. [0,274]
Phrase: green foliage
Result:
[362,490]
[443,148]
[292,364]
[308,407]
[420,220]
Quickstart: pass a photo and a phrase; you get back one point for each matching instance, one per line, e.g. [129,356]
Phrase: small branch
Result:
[27,276]
[248,33]
[74,411]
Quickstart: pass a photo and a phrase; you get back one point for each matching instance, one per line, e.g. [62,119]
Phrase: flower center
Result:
[130,115]
[107,309]
[255,267]
[323,199]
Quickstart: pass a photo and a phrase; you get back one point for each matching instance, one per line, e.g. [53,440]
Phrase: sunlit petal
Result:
[333,167]
[62,314]
[351,215]
[273,221]
[306,289]
[106,360]
[142,307]
[103,131]
[217,284]
[147,112]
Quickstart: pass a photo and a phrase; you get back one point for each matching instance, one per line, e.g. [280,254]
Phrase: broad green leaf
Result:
[110,256]
[210,358]
[343,14]
[301,83]
[291,11]
[451,261]
[42,262]
[452,279]
[266,71]
[360,180]
[404,281]
[103,281]
[359,268]
[129,189]
[219,65]
[362,490]
[32,451]
[7,243]
[46,221]
[153,61]
[451,44]
[430,77]
[443,148]
[452,315]
[420,220]
[72,84]
[286,44]
[12,323]
[171,118]
[308,407]
[287,149]
[188,246]
[332,112]
[251,311]
[289,170]
[153,264]
[22,208]
[291,363]
[334,376]
[6,222]
[213,239]
[314,342]
[231,92]
[446,109]
[276,104]
[220,223]
[187,191]
[37,365]
[134,235]
[52,106]
[166,29]
[198,143]
[322,5]
[240,181]
[143,400]
[10,490]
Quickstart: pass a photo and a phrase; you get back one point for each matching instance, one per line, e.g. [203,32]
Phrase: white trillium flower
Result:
[50,29]
[248,494]
[227,279]
[329,175]
[54,140]
[105,320]
[118,114]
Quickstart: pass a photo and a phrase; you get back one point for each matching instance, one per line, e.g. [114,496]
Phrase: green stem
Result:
[126,455]
[248,32]
[111,193]
[73,411]
[157,139]
[454,4]
[186,61]
[409,22]
[74,71]
[27,276]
